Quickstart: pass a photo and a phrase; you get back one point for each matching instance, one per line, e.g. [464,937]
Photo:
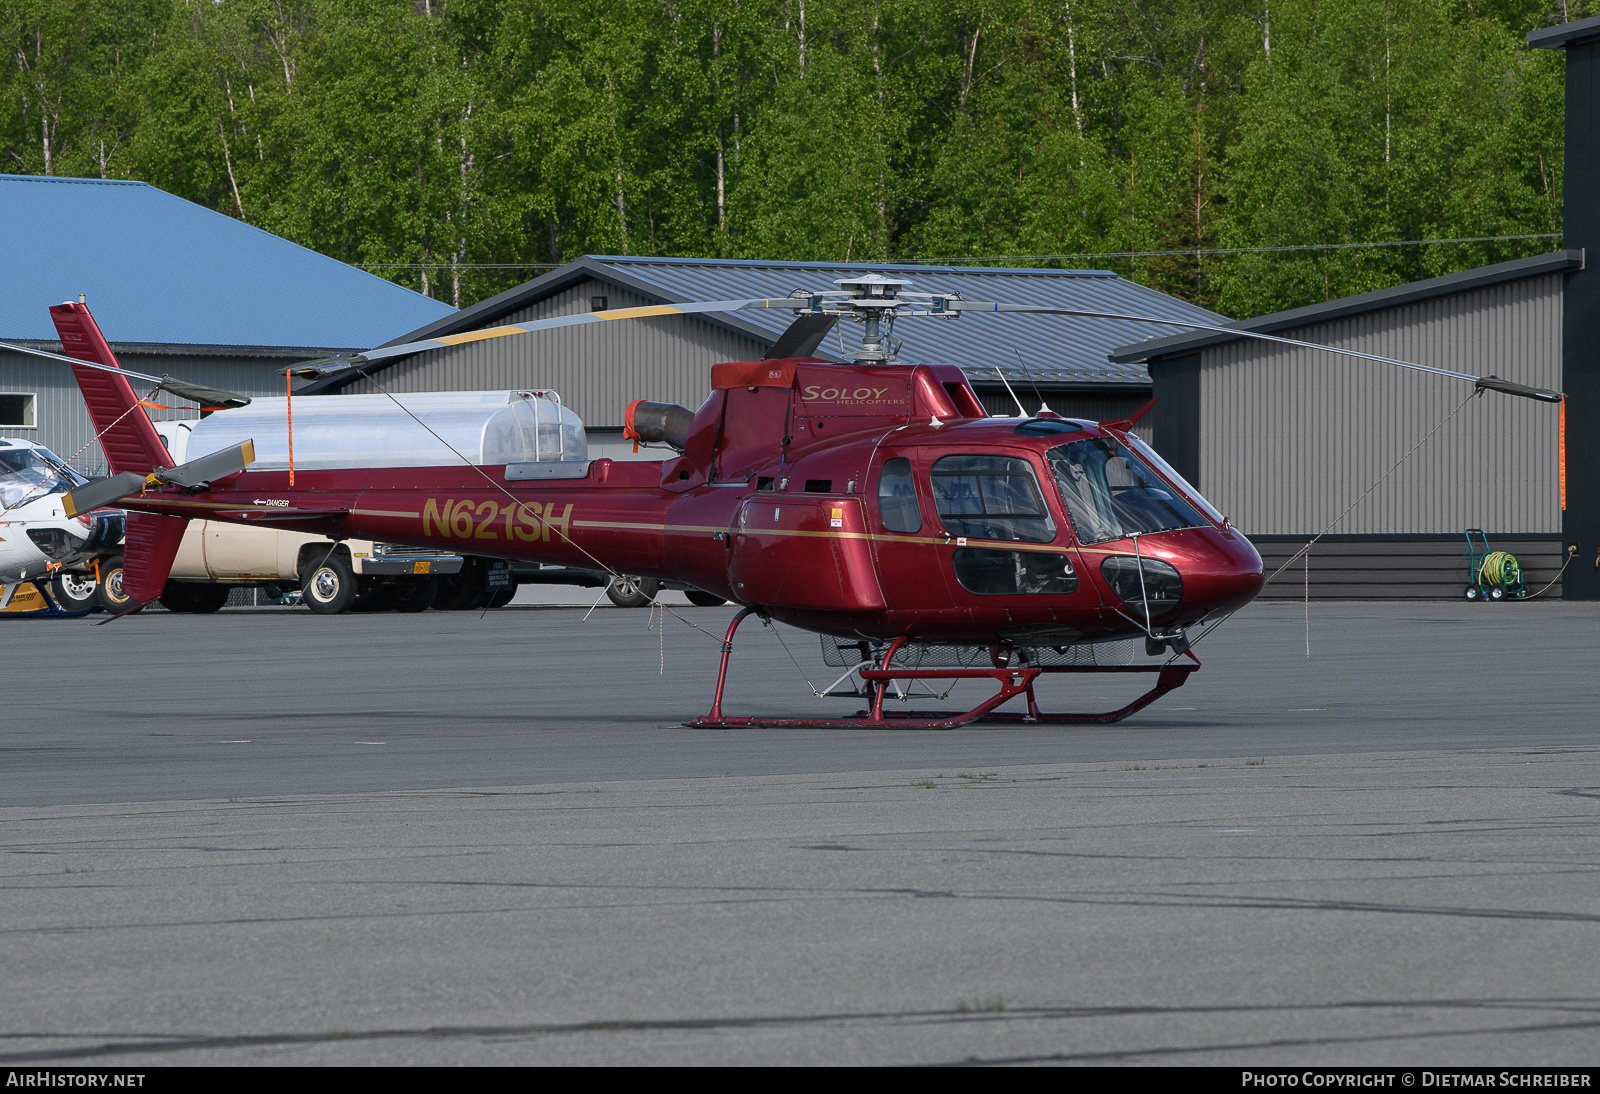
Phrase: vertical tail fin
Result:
[128,439]
[149,548]
[130,443]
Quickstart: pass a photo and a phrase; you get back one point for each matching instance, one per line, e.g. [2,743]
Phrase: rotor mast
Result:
[873,301]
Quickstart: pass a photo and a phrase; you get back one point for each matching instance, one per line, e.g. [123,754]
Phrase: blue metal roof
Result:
[159,270]
[1058,349]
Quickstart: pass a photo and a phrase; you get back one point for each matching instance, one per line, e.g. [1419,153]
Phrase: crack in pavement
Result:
[175,1043]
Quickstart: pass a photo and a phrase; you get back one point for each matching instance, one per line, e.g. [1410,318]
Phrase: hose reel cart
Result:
[1491,575]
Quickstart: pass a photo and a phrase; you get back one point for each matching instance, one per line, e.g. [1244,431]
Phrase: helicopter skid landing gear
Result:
[1013,681]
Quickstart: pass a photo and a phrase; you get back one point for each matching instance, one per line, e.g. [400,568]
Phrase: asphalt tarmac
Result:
[268,837]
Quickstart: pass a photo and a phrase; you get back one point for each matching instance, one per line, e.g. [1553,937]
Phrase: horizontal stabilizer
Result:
[278,515]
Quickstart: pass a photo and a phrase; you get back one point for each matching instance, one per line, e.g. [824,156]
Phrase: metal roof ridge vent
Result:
[776,264]
[75,180]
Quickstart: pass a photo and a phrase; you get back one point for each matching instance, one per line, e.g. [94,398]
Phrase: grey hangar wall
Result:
[1285,440]
[61,420]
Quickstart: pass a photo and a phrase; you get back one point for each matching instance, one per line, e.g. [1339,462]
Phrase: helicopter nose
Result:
[1221,571]
[1239,574]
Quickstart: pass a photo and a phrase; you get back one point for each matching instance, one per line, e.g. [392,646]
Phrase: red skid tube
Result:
[1013,682]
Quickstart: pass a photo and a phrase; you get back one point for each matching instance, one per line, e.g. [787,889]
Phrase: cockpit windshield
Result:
[1111,494]
[30,473]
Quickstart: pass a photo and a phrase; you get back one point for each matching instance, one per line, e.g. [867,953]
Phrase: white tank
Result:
[485,427]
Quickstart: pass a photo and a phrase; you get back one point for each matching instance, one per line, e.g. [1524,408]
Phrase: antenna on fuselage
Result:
[1021,411]
[1044,407]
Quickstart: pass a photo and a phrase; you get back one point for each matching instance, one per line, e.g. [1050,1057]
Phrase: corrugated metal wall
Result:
[1290,437]
[599,368]
[62,423]
[1414,568]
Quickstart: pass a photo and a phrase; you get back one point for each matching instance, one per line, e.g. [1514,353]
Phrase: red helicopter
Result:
[874,502]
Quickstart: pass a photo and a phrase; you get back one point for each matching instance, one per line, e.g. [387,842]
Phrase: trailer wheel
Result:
[329,587]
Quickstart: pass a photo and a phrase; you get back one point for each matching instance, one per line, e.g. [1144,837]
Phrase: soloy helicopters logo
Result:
[850,396]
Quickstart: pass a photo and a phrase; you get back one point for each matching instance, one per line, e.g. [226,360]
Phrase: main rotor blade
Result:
[101,492]
[47,355]
[1483,383]
[208,469]
[574,320]
[802,337]
[199,393]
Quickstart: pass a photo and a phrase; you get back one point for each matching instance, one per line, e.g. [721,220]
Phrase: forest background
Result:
[459,146]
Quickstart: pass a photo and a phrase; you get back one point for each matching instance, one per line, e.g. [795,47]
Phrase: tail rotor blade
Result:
[101,492]
[208,469]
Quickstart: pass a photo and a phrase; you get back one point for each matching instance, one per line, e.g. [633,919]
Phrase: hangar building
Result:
[1285,439]
[600,368]
[1580,333]
[177,289]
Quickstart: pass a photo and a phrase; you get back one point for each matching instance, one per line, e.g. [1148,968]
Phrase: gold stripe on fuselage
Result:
[637,526]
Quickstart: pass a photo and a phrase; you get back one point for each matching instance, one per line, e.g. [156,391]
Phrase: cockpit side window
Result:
[991,497]
[29,473]
[1111,494]
[897,497]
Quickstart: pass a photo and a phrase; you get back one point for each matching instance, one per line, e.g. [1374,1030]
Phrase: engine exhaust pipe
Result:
[656,423]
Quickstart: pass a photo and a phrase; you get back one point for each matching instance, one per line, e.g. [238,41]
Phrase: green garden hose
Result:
[1499,568]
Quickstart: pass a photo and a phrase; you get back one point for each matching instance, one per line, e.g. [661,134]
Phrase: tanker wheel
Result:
[180,596]
[329,587]
[464,591]
[375,598]
[416,596]
[632,592]
[702,599]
